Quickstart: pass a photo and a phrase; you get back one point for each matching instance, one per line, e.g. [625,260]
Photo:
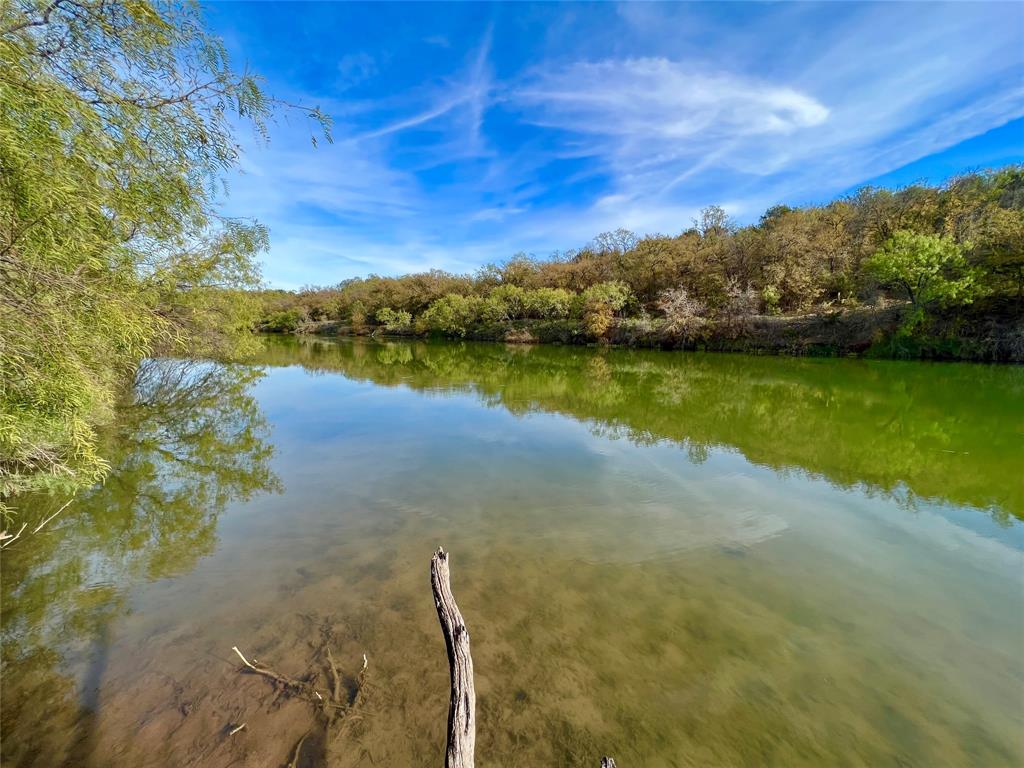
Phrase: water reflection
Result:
[667,606]
[945,433]
[190,439]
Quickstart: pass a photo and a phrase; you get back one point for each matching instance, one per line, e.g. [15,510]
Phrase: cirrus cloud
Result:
[657,98]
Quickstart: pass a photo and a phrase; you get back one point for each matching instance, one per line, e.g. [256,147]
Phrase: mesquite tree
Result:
[116,127]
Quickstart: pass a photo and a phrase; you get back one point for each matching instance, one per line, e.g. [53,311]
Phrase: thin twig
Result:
[277,677]
[65,506]
[15,536]
[298,750]
[236,729]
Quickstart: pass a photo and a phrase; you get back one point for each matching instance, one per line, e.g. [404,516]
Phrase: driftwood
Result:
[461,745]
[462,705]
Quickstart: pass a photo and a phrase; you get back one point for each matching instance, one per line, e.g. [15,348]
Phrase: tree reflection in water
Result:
[189,440]
[948,433]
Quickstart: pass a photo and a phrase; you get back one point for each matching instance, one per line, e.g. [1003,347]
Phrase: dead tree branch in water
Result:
[334,706]
[462,705]
[461,744]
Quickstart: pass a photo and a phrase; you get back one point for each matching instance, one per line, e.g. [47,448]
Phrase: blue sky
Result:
[465,133]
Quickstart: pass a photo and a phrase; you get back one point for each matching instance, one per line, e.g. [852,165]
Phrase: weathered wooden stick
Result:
[11,539]
[277,677]
[65,506]
[462,705]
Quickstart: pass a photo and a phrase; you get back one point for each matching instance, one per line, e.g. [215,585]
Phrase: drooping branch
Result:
[42,21]
[462,705]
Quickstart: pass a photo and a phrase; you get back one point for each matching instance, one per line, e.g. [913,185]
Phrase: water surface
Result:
[677,559]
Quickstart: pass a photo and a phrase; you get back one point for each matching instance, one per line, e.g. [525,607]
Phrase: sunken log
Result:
[462,705]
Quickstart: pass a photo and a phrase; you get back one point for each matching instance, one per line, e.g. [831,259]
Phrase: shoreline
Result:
[988,335]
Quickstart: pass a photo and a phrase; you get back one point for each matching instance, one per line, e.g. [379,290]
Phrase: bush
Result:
[452,315]
[494,310]
[357,316]
[741,304]
[284,321]
[600,303]
[394,320]
[548,303]
[684,314]
[512,298]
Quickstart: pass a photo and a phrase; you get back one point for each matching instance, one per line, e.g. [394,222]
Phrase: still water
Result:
[676,559]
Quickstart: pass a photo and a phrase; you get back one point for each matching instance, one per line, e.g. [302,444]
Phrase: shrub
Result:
[451,315]
[547,303]
[512,298]
[394,320]
[285,321]
[741,304]
[600,303]
[494,310]
[357,316]
[684,314]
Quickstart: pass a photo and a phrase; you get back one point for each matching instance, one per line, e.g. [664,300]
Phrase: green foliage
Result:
[511,302]
[930,269]
[357,315]
[599,304]
[394,320]
[451,315]
[715,276]
[116,123]
[503,303]
[547,303]
[284,320]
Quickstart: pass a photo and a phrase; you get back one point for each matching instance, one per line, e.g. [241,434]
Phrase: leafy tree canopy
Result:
[928,267]
[115,130]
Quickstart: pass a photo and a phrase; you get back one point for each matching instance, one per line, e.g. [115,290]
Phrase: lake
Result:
[678,559]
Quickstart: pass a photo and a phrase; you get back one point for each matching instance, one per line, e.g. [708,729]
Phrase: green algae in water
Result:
[677,559]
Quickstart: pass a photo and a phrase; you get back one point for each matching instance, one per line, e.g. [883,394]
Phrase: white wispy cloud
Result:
[636,126]
[655,98]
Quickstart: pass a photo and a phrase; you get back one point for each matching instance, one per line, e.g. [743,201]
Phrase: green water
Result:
[676,559]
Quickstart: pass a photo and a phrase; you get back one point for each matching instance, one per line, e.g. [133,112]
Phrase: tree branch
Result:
[462,704]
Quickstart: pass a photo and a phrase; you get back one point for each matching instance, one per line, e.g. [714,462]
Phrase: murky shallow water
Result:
[676,559]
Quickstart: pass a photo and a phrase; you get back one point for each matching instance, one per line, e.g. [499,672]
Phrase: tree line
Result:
[929,246]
